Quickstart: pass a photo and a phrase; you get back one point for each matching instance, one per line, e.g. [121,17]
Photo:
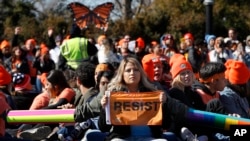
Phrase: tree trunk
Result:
[126,9]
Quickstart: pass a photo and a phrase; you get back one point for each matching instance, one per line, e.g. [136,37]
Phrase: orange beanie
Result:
[178,66]
[157,60]
[101,67]
[227,65]
[175,57]
[140,43]
[5,77]
[31,41]
[148,66]
[4,44]
[238,73]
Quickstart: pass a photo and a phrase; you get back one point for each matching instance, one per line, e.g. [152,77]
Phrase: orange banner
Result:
[134,108]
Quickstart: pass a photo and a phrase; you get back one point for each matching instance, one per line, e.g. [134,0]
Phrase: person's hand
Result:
[163,97]
[104,101]
[66,106]
[17,30]
[50,32]
[38,53]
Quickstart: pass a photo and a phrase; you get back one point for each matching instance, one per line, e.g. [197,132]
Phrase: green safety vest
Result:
[75,51]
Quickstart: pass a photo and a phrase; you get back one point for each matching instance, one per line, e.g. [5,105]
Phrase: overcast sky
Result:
[90,3]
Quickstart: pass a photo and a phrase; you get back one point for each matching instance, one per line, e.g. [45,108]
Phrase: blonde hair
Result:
[117,83]
[177,83]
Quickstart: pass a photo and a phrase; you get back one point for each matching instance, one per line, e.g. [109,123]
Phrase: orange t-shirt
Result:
[40,101]
[4,106]
[67,93]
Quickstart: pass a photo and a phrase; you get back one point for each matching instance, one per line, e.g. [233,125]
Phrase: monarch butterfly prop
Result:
[83,16]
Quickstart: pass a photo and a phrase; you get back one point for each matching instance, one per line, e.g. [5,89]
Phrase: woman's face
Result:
[131,74]
[186,77]
[18,52]
[50,89]
[103,82]
[158,70]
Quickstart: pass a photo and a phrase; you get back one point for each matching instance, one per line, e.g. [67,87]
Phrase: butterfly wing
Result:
[83,16]
[102,13]
[80,14]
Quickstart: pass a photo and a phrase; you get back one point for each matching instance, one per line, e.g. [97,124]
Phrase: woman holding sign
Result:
[131,80]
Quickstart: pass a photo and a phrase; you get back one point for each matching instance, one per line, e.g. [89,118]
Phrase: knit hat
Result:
[21,81]
[209,37]
[148,66]
[178,66]
[157,60]
[32,41]
[101,67]
[168,36]
[5,77]
[4,44]
[58,38]
[227,65]
[175,57]
[238,73]
[188,36]
[140,43]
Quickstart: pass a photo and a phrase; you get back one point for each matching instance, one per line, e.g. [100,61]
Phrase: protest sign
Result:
[137,108]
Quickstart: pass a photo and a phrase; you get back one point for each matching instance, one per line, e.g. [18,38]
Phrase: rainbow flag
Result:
[207,119]
[215,120]
[41,116]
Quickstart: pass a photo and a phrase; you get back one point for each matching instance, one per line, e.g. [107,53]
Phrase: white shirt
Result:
[54,54]
[106,58]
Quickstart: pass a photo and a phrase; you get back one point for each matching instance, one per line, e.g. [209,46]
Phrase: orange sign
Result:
[142,108]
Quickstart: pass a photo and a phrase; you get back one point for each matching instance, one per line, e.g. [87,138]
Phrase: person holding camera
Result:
[220,53]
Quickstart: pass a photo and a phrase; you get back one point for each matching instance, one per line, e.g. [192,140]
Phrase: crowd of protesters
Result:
[210,74]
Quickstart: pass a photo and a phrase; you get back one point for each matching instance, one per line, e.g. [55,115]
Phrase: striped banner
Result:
[41,116]
[215,120]
[67,116]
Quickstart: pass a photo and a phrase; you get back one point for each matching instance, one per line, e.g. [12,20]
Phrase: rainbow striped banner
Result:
[41,116]
[215,120]
[67,116]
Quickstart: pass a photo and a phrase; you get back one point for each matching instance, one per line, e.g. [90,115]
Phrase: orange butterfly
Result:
[83,16]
